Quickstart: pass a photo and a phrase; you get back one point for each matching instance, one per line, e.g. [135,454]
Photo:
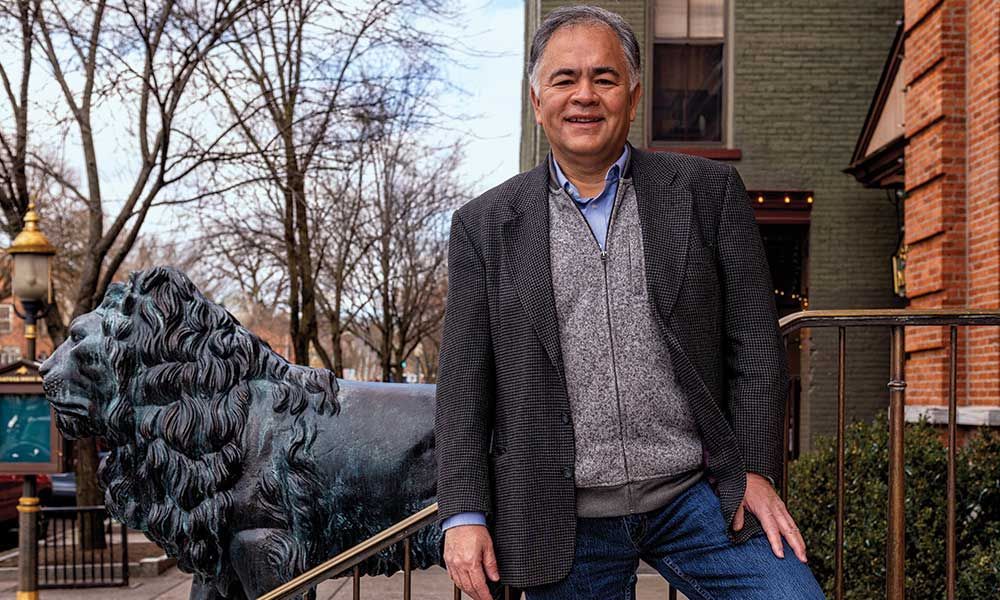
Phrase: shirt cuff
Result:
[465,518]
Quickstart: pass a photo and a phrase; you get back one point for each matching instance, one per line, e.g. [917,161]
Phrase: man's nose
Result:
[584,93]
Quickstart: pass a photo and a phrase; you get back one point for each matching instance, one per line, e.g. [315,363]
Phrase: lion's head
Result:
[168,378]
[79,380]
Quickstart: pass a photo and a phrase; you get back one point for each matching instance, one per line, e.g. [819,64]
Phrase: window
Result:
[10,354]
[6,313]
[688,71]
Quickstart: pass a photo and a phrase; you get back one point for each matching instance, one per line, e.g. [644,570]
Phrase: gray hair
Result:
[567,16]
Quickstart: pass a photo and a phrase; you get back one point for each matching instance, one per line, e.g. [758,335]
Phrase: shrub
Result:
[812,502]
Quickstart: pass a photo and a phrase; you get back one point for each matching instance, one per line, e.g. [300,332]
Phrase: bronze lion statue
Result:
[246,468]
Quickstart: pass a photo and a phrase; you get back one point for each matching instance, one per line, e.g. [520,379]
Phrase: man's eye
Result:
[562,83]
[605,82]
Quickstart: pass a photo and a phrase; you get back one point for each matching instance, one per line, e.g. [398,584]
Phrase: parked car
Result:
[64,486]
[11,488]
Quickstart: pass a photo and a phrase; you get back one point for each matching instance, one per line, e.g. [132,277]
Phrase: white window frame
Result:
[728,54]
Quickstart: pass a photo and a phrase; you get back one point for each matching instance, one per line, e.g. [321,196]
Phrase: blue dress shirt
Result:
[597,212]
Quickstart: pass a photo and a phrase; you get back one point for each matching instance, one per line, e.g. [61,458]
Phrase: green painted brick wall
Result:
[804,74]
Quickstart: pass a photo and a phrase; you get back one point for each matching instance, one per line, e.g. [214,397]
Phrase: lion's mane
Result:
[187,377]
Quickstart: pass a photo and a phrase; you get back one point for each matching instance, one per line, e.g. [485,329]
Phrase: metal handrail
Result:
[347,559]
[898,320]
[887,317]
[892,317]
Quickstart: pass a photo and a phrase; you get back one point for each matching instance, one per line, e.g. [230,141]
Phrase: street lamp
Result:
[32,285]
[32,279]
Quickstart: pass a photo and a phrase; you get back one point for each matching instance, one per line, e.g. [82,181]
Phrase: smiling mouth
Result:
[585,120]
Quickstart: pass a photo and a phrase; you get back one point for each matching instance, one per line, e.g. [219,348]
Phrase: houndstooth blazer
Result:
[503,430]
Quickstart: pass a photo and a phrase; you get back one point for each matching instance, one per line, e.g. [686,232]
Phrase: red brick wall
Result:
[983,193]
[15,335]
[952,218]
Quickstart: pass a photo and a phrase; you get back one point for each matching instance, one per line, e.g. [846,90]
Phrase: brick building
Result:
[780,90]
[13,346]
[932,137]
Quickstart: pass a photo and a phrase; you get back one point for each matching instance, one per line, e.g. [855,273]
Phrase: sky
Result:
[493,85]
[486,64]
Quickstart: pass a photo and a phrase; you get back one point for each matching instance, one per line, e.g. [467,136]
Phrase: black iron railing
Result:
[81,546]
[897,320]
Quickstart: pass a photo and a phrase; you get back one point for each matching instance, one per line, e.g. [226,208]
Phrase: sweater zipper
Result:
[611,335]
[614,376]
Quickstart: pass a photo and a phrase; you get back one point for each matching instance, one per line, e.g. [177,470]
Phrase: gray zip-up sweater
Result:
[637,444]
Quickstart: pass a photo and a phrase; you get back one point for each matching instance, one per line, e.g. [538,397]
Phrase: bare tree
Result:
[243,246]
[295,73]
[109,60]
[18,23]
[343,240]
[415,189]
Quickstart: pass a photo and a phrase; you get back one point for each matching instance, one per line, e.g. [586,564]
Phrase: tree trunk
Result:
[337,342]
[307,292]
[88,493]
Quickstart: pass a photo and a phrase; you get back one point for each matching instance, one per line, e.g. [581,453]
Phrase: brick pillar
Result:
[936,216]
[952,215]
[983,192]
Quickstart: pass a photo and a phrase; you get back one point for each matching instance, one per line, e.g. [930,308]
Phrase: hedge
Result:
[812,502]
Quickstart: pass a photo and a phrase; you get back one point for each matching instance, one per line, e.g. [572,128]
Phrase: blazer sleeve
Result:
[465,388]
[756,364]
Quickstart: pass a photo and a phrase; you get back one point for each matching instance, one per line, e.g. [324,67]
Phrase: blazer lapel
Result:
[526,250]
[665,218]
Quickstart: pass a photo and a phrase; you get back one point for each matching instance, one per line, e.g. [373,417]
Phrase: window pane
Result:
[670,17]
[706,18]
[687,93]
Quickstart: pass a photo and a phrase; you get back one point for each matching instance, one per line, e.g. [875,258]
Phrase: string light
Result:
[786,197]
[803,300]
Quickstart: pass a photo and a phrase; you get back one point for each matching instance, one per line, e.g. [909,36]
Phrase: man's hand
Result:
[468,550]
[761,500]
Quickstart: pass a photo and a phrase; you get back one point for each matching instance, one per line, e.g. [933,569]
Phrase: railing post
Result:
[951,533]
[28,509]
[838,585]
[124,561]
[896,539]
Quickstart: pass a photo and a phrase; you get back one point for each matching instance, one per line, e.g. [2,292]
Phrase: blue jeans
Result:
[686,542]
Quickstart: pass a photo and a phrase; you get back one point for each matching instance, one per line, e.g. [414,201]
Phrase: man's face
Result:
[583,101]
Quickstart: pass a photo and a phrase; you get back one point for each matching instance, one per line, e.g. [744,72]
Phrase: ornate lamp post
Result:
[32,285]
[32,281]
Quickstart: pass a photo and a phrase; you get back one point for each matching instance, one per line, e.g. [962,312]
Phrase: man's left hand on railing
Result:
[765,504]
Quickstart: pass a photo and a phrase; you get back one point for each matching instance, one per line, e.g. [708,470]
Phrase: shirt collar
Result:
[613,174]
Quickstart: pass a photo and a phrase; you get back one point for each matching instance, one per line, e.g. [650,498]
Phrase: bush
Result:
[812,502]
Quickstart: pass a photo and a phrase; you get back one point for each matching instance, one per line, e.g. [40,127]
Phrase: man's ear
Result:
[536,104]
[635,96]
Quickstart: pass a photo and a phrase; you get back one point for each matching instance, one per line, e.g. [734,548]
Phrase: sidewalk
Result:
[427,585]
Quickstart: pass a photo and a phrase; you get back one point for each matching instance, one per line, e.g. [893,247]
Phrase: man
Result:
[610,348]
